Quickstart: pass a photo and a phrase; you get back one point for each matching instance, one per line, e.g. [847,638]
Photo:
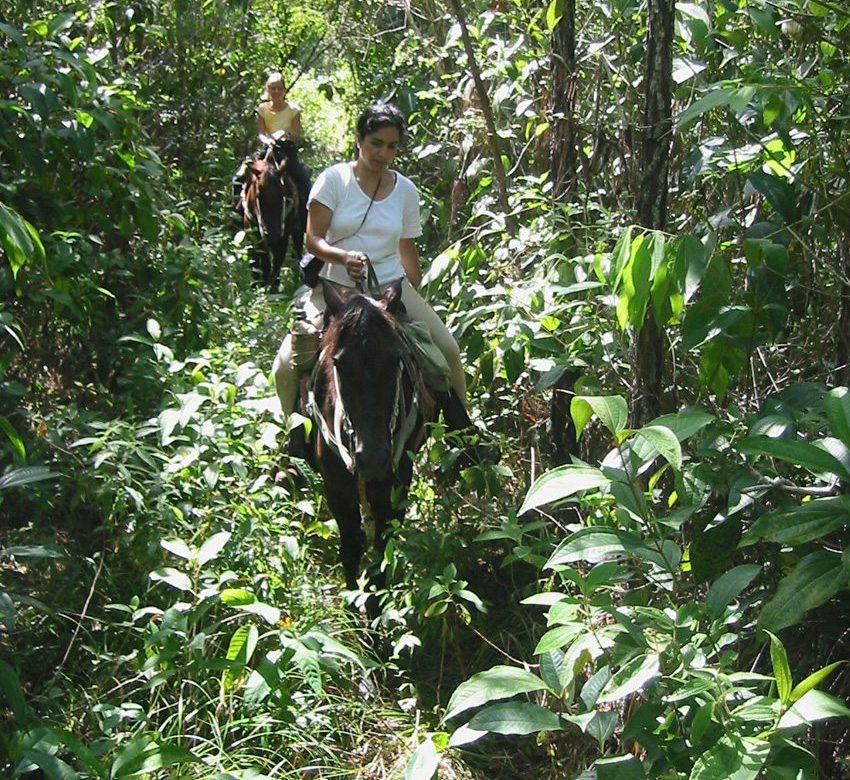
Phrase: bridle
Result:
[286,204]
[339,434]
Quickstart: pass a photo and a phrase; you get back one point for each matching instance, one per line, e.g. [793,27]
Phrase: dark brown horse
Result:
[272,203]
[369,406]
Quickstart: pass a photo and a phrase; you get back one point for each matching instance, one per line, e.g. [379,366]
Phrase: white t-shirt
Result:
[389,220]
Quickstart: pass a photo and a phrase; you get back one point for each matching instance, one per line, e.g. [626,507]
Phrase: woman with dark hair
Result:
[363,211]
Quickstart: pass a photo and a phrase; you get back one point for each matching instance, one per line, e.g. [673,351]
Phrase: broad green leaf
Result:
[84,755]
[812,707]
[636,276]
[800,524]
[14,439]
[728,587]
[815,579]
[555,673]
[464,736]
[813,680]
[172,577]
[10,687]
[715,98]
[212,547]
[601,727]
[500,682]
[554,13]
[236,597]
[610,409]
[25,476]
[594,686]
[131,755]
[626,767]
[636,675]
[620,257]
[242,644]
[685,423]
[781,670]
[515,717]
[14,34]
[837,404]
[837,448]
[732,759]
[794,451]
[423,763]
[18,239]
[150,758]
[665,441]
[558,637]
[690,265]
[178,547]
[30,551]
[593,545]
[560,483]
[779,193]
[266,611]
[53,768]
[239,652]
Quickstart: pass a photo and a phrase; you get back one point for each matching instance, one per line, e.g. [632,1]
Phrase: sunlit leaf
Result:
[812,707]
[172,577]
[423,763]
[594,545]
[611,410]
[515,717]
[211,548]
[560,483]
[813,680]
[499,682]
[636,675]
[781,669]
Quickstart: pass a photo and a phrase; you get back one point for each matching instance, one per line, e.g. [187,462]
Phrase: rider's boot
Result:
[477,447]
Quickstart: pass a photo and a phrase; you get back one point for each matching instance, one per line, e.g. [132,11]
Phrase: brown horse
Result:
[272,203]
[369,405]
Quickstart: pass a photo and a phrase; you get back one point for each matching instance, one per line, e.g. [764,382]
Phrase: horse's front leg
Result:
[387,502]
[278,251]
[343,502]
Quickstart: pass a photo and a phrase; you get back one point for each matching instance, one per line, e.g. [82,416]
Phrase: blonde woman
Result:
[279,121]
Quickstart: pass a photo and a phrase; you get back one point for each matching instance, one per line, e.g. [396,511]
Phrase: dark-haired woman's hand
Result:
[355,264]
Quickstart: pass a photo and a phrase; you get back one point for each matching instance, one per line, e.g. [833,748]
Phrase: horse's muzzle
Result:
[373,462]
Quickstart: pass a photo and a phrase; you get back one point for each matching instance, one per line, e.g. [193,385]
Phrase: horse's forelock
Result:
[357,321]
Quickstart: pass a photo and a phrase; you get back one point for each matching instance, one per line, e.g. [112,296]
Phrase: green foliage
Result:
[627,625]
[160,560]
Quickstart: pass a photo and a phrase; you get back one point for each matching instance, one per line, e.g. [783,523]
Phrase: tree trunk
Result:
[487,111]
[562,131]
[648,348]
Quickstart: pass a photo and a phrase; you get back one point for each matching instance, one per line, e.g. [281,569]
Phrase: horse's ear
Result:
[392,298]
[333,298]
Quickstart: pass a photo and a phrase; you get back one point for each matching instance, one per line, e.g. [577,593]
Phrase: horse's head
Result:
[365,363]
[269,175]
